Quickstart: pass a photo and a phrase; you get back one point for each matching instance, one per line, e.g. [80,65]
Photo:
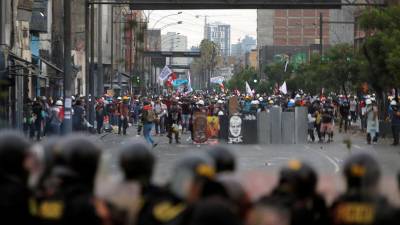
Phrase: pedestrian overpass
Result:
[238,4]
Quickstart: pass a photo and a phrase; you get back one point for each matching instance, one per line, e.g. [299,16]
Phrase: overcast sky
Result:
[243,22]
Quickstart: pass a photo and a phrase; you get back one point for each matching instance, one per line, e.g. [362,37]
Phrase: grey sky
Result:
[243,22]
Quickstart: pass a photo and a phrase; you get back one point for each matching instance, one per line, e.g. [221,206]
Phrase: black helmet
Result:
[13,151]
[298,178]
[49,157]
[192,167]
[81,156]
[361,171]
[223,158]
[137,162]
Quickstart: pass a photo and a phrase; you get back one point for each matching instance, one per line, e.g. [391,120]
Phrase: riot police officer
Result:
[14,192]
[361,203]
[296,191]
[190,182]
[223,158]
[70,198]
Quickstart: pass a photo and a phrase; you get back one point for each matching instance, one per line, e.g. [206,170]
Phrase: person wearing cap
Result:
[394,113]
[56,117]
[100,113]
[372,121]
[148,117]
[123,112]
[37,114]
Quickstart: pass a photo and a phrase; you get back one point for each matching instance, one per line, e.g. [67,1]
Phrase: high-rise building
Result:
[173,41]
[297,31]
[290,27]
[220,34]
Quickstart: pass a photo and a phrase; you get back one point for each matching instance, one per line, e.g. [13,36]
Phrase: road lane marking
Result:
[356,146]
[332,161]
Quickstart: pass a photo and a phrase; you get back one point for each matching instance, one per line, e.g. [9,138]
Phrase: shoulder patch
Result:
[355,213]
[51,210]
[166,211]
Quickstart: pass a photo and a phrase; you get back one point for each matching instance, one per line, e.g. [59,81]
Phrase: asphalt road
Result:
[258,165]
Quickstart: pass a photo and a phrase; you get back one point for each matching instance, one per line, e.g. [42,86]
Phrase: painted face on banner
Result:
[235,126]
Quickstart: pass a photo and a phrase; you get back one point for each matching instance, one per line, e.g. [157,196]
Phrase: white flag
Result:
[286,64]
[248,89]
[190,89]
[165,73]
[283,88]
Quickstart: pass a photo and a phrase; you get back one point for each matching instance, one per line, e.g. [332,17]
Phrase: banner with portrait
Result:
[235,130]
[213,127]
[200,127]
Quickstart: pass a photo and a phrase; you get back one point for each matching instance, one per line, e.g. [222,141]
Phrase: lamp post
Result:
[171,24]
[174,14]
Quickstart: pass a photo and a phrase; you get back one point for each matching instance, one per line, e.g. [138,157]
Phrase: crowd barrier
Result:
[271,127]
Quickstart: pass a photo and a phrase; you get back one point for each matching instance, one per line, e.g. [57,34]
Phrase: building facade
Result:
[220,34]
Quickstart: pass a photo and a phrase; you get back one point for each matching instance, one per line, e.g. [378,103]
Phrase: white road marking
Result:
[334,163]
[356,146]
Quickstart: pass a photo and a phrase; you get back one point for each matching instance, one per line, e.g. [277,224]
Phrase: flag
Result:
[248,89]
[190,89]
[171,79]
[177,83]
[221,85]
[165,73]
[286,64]
[283,88]
[217,80]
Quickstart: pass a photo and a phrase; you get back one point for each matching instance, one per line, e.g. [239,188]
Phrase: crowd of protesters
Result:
[53,182]
[172,115]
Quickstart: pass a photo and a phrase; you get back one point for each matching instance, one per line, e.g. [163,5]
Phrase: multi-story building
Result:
[293,31]
[173,41]
[220,34]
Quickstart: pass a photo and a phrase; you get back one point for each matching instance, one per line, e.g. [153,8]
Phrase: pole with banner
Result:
[165,73]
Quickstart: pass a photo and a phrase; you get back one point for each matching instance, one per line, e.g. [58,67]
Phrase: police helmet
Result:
[361,171]
[137,162]
[298,178]
[192,168]
[13,152]
[81,156]
[223,158]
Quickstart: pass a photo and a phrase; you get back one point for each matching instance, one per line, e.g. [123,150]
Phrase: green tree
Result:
[342,68]
[238,81]
[382,48]
[204,66]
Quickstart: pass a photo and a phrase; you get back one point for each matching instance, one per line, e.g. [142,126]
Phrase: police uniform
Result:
[360,205]
[14,192]
[296,192]
[68,196]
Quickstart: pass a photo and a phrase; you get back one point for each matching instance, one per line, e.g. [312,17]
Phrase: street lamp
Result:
[174,14]
[171,24]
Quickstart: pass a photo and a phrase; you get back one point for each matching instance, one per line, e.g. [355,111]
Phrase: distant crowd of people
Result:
[172,115]
[53,182]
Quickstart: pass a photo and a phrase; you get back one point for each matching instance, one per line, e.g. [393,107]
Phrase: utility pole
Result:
[91,74]
[112,48]
[321,22]
[87,63]
[100,73]
[67,69]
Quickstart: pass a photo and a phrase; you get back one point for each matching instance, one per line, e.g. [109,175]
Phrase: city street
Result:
[258,164]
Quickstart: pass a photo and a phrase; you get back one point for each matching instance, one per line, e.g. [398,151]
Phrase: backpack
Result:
[150,116]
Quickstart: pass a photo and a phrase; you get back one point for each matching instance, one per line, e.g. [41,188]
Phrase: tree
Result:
[342,67]
[205,65]
[381,48]
[238,81]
